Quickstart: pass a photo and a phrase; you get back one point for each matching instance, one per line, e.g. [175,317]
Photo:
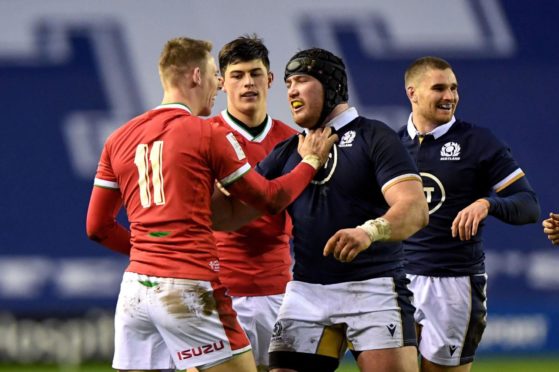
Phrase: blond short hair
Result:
[182,54]
[420,65]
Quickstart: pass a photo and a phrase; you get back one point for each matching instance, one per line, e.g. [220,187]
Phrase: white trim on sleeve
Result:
[235,175]
[106,184]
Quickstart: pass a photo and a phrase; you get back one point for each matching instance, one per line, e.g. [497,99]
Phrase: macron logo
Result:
[391,328]
[452,349]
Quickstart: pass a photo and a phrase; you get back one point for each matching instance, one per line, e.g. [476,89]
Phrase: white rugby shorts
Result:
[368,315]
[166,323]
[452,313]
[257,315]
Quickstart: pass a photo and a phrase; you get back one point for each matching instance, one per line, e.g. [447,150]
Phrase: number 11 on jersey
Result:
[142,163]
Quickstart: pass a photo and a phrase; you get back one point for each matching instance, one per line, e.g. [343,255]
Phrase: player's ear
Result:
[410,92]
[197,75]
[270,79]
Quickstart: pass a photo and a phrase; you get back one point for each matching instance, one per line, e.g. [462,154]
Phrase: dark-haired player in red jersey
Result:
[255,261]
[172,311]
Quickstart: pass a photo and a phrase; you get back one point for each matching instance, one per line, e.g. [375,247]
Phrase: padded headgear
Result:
[326,68]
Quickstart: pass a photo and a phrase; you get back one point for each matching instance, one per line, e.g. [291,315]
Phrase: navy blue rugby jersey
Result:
[459,164]
[345,193]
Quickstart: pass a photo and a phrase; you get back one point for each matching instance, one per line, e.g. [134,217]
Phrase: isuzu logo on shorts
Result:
[200,350]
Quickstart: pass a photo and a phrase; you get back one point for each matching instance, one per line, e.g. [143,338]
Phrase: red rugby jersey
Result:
[255,260]
[163,162]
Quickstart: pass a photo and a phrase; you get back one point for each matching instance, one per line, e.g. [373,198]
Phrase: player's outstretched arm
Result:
[551,228]
[253,195]
[101,224]
[408,213]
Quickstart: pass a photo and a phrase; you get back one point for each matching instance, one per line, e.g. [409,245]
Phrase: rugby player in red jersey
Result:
[255,261]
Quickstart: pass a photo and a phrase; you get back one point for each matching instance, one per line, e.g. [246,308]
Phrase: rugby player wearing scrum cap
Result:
[348,282]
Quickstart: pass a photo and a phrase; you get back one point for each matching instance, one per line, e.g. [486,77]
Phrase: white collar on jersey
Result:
[342,119]
[259,138]
[174,105]
[437,132]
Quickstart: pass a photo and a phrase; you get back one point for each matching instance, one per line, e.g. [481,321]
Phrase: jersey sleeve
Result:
[392,162]
[227,157]
[281,188]
[104,205]
[499,166]
[105,176]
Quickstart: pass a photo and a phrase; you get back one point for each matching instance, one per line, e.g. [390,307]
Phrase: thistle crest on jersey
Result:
[450,151]
[347,139]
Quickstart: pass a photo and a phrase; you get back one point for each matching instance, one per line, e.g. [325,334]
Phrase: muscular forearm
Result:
[406,218]
[408,213]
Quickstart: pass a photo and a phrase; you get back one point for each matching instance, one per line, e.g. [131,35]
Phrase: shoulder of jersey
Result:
[479,132]
[217,119]
[285,127]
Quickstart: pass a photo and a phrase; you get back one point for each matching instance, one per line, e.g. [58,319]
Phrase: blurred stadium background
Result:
[72,71]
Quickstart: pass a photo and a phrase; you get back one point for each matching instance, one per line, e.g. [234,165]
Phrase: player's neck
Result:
[249,119]
[336,111]
[423,126]
[188,99]
[254,130]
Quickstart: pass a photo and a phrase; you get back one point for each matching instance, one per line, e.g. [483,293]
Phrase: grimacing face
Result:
[210,83]
[246,85]
[305,95]
[435,96]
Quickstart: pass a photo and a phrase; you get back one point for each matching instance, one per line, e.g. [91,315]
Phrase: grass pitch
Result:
[512,364]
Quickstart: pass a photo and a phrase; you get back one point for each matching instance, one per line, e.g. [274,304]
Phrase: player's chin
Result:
[445,116]
[303,120]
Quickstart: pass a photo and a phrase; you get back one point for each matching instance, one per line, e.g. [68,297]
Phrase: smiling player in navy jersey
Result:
[348,281]
[467,174]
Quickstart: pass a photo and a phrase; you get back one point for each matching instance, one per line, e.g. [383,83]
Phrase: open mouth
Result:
[445,106]
[249,95]
[295,105]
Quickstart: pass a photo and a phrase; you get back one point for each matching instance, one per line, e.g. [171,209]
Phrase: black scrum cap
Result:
[326,68]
